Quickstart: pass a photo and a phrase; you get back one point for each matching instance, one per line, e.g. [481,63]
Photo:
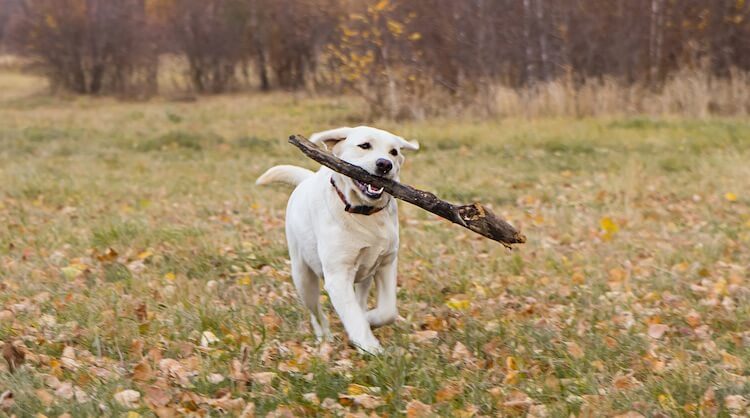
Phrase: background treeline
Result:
[401,56]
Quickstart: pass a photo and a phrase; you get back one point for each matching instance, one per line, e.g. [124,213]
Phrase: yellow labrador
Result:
[346,232]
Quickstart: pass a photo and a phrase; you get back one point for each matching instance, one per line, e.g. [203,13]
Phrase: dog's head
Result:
[377,151]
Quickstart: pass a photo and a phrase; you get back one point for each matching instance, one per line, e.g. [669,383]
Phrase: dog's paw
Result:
[371,348]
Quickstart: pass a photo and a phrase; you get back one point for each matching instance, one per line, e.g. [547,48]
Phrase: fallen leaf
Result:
[128,398]
[416,409]
[735,403]
[142,371]
[447,392]
[263,378]
[458,304]
[625,382]
[609,227]
[575,350]
[461,353]
[208,338]
[13,355]
[731,361]
[6,400]
[731,197]
[367,401]
[65,391]
[311,397]
[156,396]
[657,331]
[215,378]
[421,337]
[630,414]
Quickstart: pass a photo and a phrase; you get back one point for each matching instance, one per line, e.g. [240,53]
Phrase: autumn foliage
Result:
[392,53]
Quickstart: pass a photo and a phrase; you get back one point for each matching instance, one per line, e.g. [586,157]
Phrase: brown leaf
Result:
[142,371]
[518,401]
[249,411]
[128,398]
[108,255]
[13,355]
[7,315]
[447,392]
[263,378]
[416,409]
[141,312]
[461,353]
[630,414]
[625,382]
[426,336]
[44,396]
[575,350]
[656,331]
[6,400]
[365,400]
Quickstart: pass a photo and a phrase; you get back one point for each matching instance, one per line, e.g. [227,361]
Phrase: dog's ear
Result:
[410,145]
[330,137]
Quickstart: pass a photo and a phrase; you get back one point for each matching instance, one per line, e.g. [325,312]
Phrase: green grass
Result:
[169,187]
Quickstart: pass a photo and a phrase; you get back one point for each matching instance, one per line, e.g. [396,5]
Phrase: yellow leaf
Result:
[511,378]
[71,272]
[395,27]
[609,227]
[244,280]
[458,304]
[145,254]
[133,414]
[720,287]
[511,363]
[415,36]
[382,4]
[355,389]
[169,276]
[730,197]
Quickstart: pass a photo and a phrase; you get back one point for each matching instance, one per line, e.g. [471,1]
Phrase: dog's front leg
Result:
[385,279]
[340,288]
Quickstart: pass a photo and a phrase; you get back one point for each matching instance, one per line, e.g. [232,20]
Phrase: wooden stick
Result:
[474,217]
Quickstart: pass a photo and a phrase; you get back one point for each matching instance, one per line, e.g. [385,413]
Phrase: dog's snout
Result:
[383,165]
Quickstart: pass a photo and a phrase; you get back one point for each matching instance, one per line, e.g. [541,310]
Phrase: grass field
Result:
[143,273]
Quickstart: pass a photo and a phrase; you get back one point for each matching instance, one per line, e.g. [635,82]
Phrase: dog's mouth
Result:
[369,190]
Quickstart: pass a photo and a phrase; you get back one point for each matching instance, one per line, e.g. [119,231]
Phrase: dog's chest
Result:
[374,247]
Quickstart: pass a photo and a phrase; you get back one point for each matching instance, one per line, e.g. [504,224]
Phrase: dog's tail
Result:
[288,174]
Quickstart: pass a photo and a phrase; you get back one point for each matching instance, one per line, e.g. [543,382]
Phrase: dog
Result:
[346,232]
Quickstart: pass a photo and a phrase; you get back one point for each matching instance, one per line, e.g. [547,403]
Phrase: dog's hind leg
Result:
[308,288]
[362,290]
[386,281]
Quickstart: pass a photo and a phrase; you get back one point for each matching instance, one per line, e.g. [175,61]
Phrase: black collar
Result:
[359,209]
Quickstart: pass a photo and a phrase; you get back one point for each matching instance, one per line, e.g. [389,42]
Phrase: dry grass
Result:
[687,93]
[131,234]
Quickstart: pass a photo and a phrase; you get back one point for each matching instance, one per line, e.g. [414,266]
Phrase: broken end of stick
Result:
[484,222]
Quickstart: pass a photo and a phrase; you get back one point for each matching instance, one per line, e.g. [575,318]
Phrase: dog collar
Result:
[359,209]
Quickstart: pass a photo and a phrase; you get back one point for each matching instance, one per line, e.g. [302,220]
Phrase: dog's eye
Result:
[365,145]
[394,152]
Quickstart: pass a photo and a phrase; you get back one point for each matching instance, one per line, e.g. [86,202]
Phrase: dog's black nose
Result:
[383,165]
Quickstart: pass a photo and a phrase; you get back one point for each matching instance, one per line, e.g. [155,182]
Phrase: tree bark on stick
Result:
[475,217]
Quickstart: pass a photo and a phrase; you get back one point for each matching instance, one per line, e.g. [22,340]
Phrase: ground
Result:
[143,272]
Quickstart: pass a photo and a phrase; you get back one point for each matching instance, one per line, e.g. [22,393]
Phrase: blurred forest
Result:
[398,55]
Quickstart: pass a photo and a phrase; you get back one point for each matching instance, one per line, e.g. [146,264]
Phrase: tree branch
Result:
[474,217]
